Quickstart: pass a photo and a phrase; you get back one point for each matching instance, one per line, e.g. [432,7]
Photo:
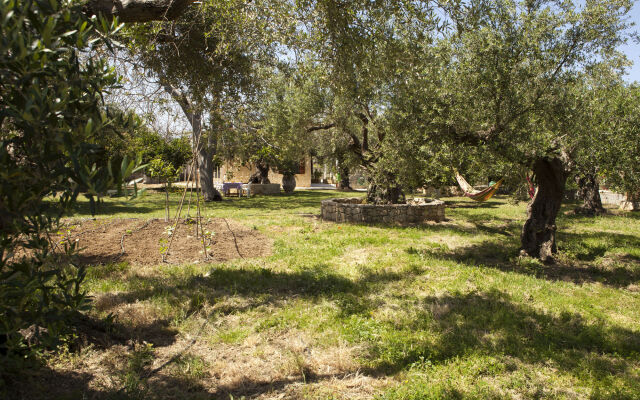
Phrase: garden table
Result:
[227,186]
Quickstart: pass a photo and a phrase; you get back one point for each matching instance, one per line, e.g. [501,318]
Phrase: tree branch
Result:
[194,116]
[178,96]
[320,127]
[138,10]
[473,137]
[365,132]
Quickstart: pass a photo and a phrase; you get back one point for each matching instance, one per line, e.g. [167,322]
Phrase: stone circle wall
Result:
[352,210]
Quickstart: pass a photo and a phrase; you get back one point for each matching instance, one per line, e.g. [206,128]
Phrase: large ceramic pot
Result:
[288,183]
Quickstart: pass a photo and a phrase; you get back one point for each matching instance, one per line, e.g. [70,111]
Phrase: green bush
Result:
[51,111]
[165,171]
[152,145]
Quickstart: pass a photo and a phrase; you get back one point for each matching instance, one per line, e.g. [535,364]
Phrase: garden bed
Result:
[352,210]
[143,241]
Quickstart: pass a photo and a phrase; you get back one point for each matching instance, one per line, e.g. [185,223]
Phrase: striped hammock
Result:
[477,195]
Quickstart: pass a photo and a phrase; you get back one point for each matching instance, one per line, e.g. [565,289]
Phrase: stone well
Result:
[352,210]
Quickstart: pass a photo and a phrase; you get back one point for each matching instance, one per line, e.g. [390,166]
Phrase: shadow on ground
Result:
[489,323]
[155,203]
[582,258]
[258,287]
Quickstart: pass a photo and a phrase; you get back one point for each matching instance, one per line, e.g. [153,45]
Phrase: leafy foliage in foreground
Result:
[50,111]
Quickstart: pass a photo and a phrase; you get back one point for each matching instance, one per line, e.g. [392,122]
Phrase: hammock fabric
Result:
[477,195]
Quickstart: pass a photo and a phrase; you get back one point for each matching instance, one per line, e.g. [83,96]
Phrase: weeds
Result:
[134,380]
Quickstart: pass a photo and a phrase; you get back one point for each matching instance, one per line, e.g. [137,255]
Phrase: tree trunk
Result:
[589,192]
[206,148]
[379,194]
[288,182]
[538,236]
[344,183]
[384,190]
[206,151]
[205,161]
[261,176]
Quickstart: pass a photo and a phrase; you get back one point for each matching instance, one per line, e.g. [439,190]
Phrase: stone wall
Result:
[268,188]
[609,197]
[351,210]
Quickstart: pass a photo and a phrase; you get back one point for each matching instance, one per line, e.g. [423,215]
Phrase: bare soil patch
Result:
[142,242]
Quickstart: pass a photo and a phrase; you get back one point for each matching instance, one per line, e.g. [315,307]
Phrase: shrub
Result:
[51,111]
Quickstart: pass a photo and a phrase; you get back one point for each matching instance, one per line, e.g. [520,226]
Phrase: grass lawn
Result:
[438,311]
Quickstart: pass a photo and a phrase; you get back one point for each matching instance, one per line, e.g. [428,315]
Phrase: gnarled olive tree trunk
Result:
[538,236]
[261,175]
[288,182]
[589,192]
[384,190]
[343,183]
[378,194]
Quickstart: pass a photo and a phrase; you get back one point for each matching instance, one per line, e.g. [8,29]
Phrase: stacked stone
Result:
[263,188]
[350,210]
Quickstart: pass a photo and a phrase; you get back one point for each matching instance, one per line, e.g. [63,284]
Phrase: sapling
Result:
[166,173]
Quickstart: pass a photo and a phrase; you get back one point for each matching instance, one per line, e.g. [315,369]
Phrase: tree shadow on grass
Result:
[70,385]
[490,323]
[490,225]
[611,213]
[155,203]
[452,203]
[245,387]
[486,323]
[297,199]
[474,224]
[111,208]
[463,324]
[257,287]
[260,286]
[578,261]
[254,388]
[104,333]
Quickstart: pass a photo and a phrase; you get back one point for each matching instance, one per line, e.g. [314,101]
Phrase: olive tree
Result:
[205,60]
[288,109]
[620,158]
[366,49]
[509,87]
[591,99]
[51,112]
